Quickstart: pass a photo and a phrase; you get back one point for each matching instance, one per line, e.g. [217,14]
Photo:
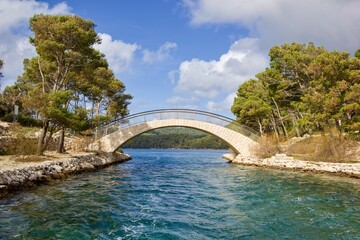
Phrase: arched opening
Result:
[176,138]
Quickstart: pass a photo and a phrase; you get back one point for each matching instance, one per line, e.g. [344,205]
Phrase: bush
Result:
[355,135]
[24,120]
[334,147]
[304,148]
[20,146]
[268,145]
[330,146]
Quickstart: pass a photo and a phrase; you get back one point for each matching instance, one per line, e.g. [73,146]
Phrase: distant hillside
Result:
[176,137]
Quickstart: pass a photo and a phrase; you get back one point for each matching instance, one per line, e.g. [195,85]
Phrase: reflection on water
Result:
[185,194]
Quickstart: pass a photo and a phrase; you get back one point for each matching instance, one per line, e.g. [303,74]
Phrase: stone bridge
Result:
[111,136]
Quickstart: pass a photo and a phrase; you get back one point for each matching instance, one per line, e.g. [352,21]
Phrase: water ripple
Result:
[185,194]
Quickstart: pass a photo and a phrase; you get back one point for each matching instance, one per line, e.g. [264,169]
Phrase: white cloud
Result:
[118,53]
[14,33]
[15,13]
[178,100]
[14,38]
[222,106]
[173,75]
[160,55]
[331,23]
[13,53]
[209,79]
[228,11]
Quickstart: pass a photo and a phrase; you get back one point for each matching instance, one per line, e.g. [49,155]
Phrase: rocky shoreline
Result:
[282,161]
[23,177]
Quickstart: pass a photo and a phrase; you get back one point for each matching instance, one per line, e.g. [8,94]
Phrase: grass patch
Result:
[330,146]
[17,130]
[21,146]
[268,145]
[28,158]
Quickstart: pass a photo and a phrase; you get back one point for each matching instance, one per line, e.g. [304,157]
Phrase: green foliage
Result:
[24,120]
[68,77]
[305,89]
[357,53]
[251,105]
[9,97]
[176,138]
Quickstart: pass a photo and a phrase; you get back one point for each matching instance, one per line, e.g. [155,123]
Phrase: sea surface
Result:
[185,194]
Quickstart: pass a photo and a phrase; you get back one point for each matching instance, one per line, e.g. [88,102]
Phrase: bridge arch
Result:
[113,135]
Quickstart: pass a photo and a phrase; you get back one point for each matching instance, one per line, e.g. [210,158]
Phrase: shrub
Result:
[268,145]
[330,146]
[334,146]
[24,120]
[21,146]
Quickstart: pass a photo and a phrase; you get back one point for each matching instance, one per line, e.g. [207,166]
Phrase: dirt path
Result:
[10,162]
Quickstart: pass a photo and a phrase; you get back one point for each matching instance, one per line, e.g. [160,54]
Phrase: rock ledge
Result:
[27,176]
[282,161]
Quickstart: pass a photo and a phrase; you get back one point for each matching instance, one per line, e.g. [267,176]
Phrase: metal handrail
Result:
[160,114]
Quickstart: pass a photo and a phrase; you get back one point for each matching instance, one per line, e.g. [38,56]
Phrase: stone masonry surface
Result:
[239,143]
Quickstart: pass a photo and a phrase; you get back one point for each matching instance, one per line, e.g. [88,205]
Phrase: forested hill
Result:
[176,137]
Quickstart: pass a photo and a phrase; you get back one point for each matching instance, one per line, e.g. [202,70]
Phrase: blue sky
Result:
[186,53]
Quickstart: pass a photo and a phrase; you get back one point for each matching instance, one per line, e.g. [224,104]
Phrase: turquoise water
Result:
[185,194]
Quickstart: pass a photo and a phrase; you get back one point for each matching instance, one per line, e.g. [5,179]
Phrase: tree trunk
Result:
[61,148]
[260,126]
[49,138]
[280,117]
[41,141]
[293,119]
[98,105]
[42,75]
[273,121]
[338,125]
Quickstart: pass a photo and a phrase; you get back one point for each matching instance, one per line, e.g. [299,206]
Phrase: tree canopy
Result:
[305,89]
[69,83]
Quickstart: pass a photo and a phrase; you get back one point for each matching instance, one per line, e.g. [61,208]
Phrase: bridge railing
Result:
[163,114]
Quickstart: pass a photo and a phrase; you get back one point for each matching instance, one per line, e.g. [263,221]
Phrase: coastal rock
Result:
[35,176]
[229,156]
[283,161]
[28,176]
[56,168]
[86,166]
